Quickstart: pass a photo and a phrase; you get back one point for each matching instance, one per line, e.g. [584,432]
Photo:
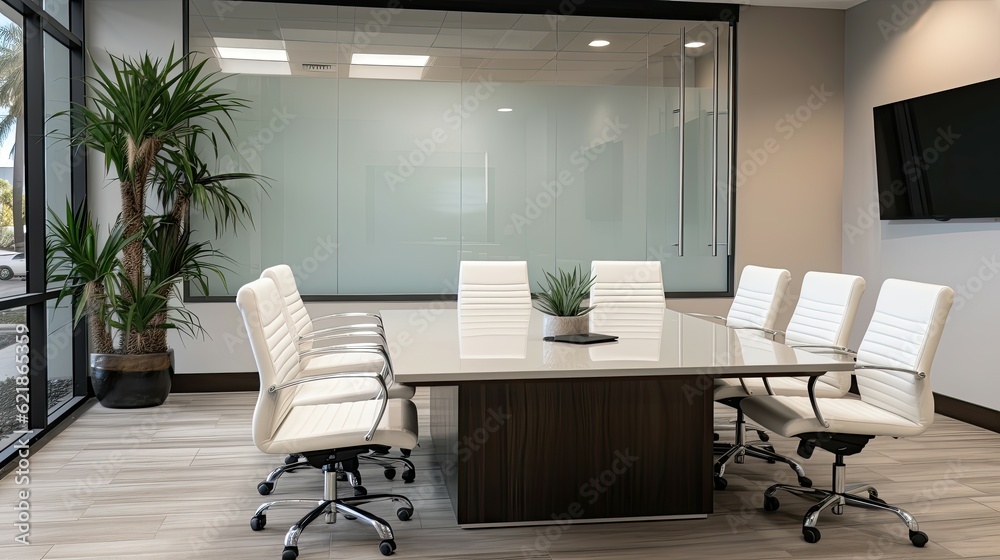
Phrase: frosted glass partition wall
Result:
[399,143]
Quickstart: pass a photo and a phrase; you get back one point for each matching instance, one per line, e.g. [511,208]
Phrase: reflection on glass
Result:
[58,172]
[493,334]
[13,379]
[12,151]
[59,352]
[491,137]
[58,9]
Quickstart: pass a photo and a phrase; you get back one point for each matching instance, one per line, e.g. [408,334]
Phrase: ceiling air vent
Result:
[318,67]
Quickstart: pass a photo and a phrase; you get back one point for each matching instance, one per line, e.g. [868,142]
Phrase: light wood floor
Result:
[179,482]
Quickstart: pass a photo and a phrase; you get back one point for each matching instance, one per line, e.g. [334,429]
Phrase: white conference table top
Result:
[442,346]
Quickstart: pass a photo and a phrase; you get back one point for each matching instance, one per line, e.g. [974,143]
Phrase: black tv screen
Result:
[937,155]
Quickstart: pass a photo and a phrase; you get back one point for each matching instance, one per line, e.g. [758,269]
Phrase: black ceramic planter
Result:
[132,380]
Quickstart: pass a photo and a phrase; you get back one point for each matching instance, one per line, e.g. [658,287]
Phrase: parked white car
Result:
[11,265]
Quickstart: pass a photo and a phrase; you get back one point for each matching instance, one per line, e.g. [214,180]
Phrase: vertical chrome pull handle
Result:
[730,188]
[715,146]
[680,128]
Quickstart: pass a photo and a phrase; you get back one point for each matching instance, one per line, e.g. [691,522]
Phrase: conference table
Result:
[532,432]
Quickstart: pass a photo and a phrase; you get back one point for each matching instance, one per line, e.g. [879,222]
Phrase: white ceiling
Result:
[463,46]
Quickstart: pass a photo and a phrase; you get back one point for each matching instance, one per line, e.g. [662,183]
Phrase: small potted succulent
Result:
[562,302]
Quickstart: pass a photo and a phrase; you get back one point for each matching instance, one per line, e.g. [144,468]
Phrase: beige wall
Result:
[790,154]
[898,50]
[788,207]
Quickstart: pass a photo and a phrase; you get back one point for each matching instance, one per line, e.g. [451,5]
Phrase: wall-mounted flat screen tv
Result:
[937,155]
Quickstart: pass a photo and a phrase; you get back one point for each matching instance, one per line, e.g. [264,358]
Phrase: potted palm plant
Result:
[151,119]
[561,300]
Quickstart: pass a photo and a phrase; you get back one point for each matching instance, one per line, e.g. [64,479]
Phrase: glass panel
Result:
[417,139]
[59,352]
[13,380]
[58,9]
[58,172]
[12,151]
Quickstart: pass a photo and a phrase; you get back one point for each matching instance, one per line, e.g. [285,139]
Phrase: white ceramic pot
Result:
[558,326]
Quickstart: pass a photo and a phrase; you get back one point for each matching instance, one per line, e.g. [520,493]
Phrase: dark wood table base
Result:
[551,451]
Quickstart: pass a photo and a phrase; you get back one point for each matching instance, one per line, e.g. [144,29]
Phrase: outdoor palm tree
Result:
[12,97]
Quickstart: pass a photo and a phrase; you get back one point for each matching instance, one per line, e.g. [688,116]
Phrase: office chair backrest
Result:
[284,280]
[824,315]
[493,285]
[274,350]
[904,332]
[627,285]
[758,297]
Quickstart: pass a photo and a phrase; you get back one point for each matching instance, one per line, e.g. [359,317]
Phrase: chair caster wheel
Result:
[918,538]
[715,437]
[386,547]
[409,475]
[265,488]
[771,503]
[258,522]
[406,453]
[721,483]
[810,534]
[290,553]
[341,477]
[389,473]
[762,436]
[291,460]
[404,514]
[805,482]
[360,491]
[873,496]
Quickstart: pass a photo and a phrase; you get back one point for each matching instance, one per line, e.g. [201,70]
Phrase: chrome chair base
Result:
[736,453]
[388,463]
[836,499]
[329,507]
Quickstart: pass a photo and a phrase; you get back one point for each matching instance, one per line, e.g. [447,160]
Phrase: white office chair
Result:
[320,361]
[821,322]
[626,287]
[893,367]
[498,286]
[329,436]
[352,325]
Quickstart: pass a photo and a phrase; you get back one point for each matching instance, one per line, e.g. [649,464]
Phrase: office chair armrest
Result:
[383,392]
[345,328]
[767,385]
[707,316]
[375,317]
[772,332]
[913,372]
[815,404]
[829,349]
[354,347]
[348,334]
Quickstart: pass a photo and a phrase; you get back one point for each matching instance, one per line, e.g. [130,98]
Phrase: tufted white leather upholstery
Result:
[632,286]
[758,297]
[824,314]
[278,425]
[904,332]
[284,279]
[494,285]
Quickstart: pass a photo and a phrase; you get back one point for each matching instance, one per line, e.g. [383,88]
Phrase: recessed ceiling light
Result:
[374,72]
[694,44]
[389,59]
[236,53]
[505,110]
[237,66]
[599,43]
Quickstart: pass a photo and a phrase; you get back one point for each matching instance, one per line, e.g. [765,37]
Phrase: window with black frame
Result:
[43,377]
